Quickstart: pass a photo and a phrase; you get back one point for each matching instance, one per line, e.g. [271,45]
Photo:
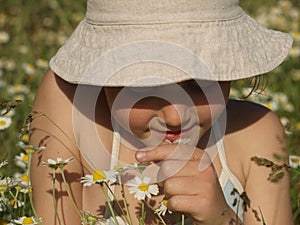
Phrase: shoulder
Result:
[254,130]
[53,108]
[248,116]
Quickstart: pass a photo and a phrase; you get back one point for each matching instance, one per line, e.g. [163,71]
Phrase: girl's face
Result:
[175,113]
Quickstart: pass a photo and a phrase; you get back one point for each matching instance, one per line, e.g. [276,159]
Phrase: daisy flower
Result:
[100,176]
[142,188]
[4,37]
[5,162]
[19,97]
[24,188]
[29,149]
[21,160]
[24,181]
[163,208]
[5,122]
[25,138]
[18,88]
[58,163]
[42,63]
[16,203]
[90,218]
[3,204]
[272,105]
[28,68]
[7,113]
[6,183]
[9,65]
[23,49]
[26,220]
[294,161]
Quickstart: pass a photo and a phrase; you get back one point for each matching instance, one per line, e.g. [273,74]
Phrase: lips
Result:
[174,137]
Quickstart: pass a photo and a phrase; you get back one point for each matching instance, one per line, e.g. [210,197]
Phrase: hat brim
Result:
[229,50]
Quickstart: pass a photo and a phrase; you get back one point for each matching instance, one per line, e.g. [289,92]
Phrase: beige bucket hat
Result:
[155,42]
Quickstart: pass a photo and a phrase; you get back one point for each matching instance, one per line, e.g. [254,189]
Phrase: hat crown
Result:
[160,11]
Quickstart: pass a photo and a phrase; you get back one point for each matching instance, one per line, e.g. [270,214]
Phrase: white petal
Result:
[138,180]
[133,190]
[139,195]
[146,180]
[153,189]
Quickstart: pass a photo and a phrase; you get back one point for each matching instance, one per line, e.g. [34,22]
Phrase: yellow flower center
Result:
[2,123]
[18,97]
[92,219]
[17,87]
[3,187]
[27,220]
[12,202]
[269,105]
[25,138]
[295,160]
[25,158]
[165,202]
[118,166]
[99,175]
[143,187]
[30,150]
[25,178]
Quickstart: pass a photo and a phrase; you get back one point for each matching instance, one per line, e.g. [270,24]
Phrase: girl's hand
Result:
[187,188]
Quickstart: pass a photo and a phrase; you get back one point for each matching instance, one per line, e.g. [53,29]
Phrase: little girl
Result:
[148,82]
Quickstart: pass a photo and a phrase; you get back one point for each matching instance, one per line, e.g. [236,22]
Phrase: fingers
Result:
[172,151]
[174,160]
[185,203]
[199,184]
[178,168]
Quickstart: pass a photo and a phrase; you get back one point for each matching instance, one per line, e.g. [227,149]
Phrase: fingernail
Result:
[140,155]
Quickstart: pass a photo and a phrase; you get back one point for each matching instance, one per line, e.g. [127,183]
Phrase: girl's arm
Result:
[265,138]
[54,99]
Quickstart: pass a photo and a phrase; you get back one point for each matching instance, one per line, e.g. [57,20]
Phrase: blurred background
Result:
[31,32]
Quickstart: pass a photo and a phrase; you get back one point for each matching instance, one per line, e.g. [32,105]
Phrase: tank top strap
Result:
[227,179]
[226,173]
[114,160]
[115,149]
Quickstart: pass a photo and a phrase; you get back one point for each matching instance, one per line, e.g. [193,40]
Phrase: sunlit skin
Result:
[250,130]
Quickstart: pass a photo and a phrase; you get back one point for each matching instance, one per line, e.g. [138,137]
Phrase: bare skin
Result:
[251,131]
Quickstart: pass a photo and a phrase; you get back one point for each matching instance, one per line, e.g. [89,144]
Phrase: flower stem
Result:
[70,194]
[129,220]
[54,196]
[115,198]
[30,190]
[61,130]
[142,218]
[109,204]
[182,219]
[158,215]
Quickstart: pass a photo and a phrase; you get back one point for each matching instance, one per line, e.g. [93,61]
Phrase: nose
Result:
[174,115]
